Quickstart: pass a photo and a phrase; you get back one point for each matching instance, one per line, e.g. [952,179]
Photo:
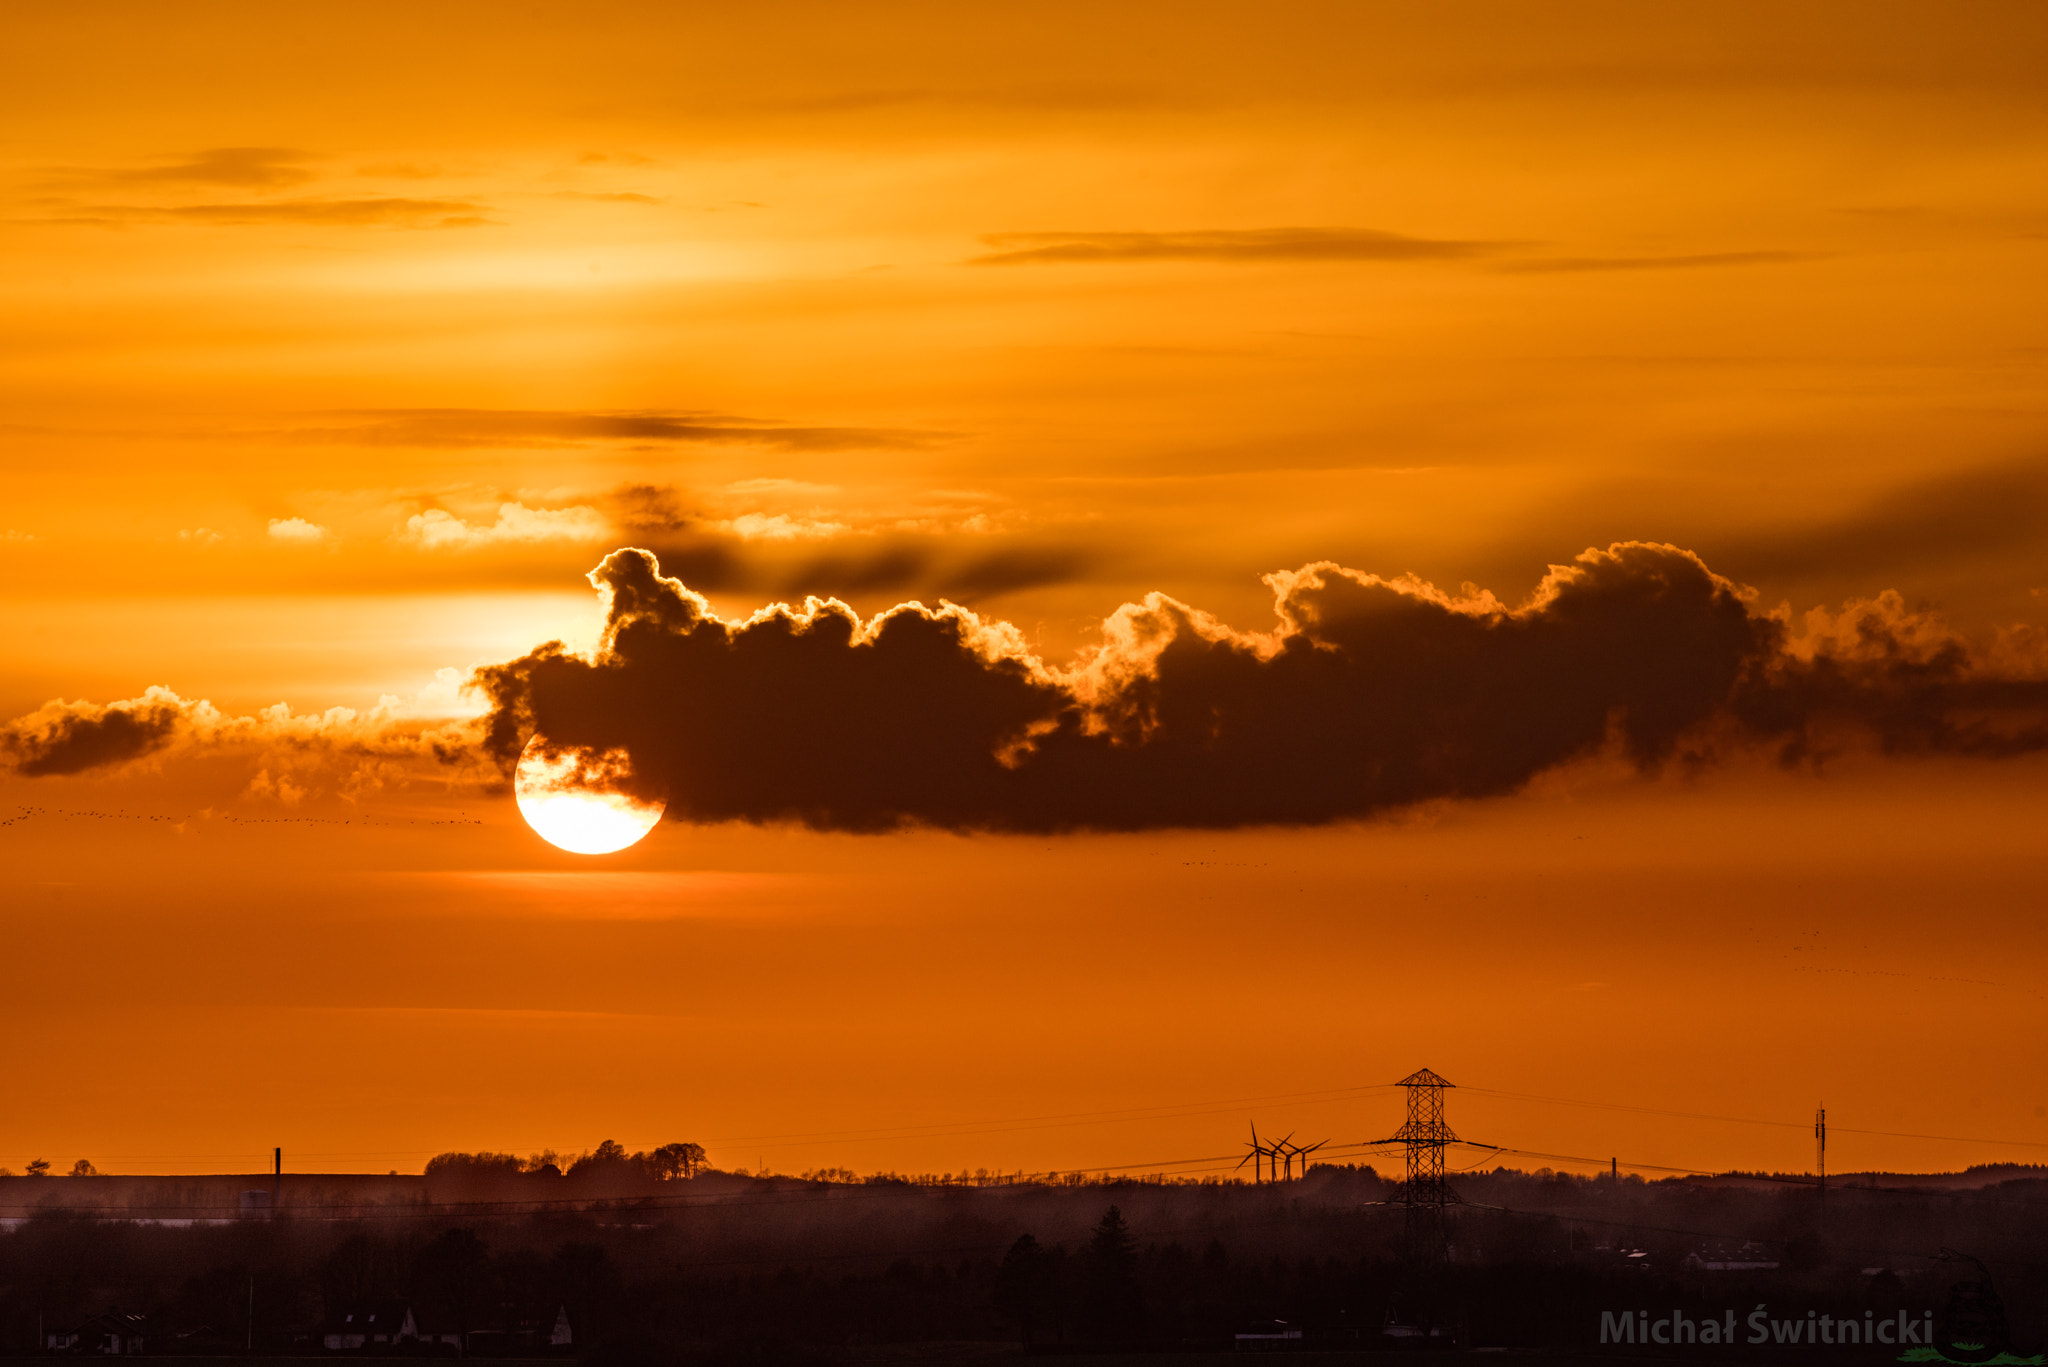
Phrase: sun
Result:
[568,799]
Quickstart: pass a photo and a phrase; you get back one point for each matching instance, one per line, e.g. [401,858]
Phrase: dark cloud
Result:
[1021,567]
[648,510]
[1247,245]
[715,564]
[255,168]
[469,427]
[352,752]
[1880,673]
[654,516]
[884,569]
[71,738]
[1368,694]
[906,565]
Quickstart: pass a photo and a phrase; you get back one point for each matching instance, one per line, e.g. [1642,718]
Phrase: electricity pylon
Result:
[1425,1193]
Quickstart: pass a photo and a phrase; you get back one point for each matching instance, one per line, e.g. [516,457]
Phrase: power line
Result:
[1751,1120]
[947,1129]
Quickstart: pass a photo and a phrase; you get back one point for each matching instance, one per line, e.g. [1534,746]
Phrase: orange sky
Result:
[340,344]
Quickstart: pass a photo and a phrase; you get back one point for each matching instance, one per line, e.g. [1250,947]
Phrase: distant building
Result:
[1722,1258]
[112,1334]
[1269,1337]
[369,1326]
[439,1326]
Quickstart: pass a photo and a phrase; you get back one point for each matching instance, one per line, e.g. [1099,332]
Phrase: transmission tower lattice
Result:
[1426,1192]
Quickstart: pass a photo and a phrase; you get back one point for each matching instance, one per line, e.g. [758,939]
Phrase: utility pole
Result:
[1820,1152]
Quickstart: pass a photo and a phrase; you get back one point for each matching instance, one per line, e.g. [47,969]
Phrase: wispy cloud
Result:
[778,527]
[255,168]
[376,211]
[362,212]
[487,427]
[1695,261]
[1033,96]
[614,197]
[1238,245]
[517,524]
[1252,246]
[402,170]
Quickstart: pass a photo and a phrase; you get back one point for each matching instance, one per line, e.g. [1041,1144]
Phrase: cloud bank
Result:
[1367,694]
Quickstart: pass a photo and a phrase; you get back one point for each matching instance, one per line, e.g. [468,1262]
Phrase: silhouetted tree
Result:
[671,1161]
[38,1167]
[451,1269]
[588,1281]
[441,1163]
[1024,1286]
[352,1271]
[1113,1303]
[84,1168]
[520,1277]
[608,1156]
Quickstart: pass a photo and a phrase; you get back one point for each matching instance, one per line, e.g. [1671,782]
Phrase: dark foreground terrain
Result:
[717,1269]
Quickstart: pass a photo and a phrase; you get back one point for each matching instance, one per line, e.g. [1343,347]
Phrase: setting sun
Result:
[560,797]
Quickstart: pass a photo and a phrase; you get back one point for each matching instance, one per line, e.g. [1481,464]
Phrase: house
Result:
[370,1326]
[111,1334]
[436,1324]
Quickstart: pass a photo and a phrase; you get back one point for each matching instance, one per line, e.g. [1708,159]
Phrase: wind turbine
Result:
[1259,1153]
[1303,1154]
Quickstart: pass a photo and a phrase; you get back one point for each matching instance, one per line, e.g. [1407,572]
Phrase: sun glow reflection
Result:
[567,799]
